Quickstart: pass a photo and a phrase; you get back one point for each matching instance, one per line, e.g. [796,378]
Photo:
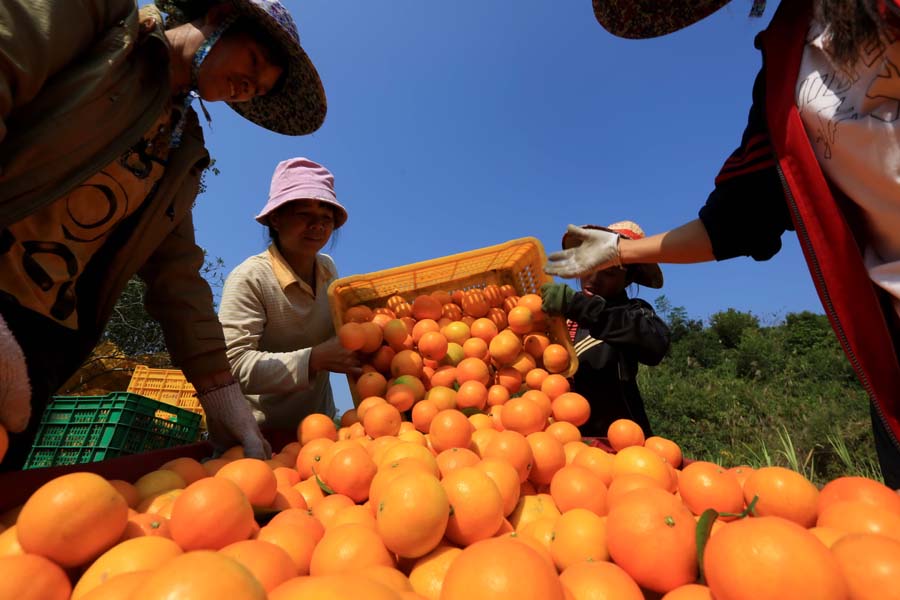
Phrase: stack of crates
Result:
[166,385]
[83,429]
[519,263]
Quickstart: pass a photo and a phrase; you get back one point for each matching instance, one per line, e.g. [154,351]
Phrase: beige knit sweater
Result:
[272,319]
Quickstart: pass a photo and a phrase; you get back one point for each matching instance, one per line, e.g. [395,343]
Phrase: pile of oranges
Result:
[455,481]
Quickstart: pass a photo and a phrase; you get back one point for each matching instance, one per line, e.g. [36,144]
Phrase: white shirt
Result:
[851,118]
[271,319]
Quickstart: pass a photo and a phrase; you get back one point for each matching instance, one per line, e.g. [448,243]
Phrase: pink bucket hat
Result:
[302,179]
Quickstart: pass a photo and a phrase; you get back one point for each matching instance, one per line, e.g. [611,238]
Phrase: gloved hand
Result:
[598,250]
[230,422]
[15,388]
[556,298]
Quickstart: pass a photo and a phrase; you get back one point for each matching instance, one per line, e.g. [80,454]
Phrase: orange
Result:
[157,482]
[535,344]
[642,461]
[120,586]
[535,378]
[578,487]
[412,514]
[310,457]
[358,314]
[481,421]
[381,361]
[477,506]
[827,535]
[450,429]
[288,497]
[509,378]
[783,493]
[704,485]
[579,535]
[475,347]
[294,540]
[352,336]
[667,449]
[598,461]
[373,337]
[358,513]
[859,488]
[493,295]
[147,524]
[623,484]
[870,564]
[210,514]
[532,507]
[858,516]
[395,334]
[691,591]
[473,369]
[368,384]
[506,478]
[651,535]
[623,433]
[310,490]
[572,408]
[542,400]
[32,577]
[130,493]
[442,397]
[599,580]
[471,394]
[505,347]
[428,572]
[201,575]
[399,396]
[348,547]
[422,327]
[549,457]
[565,432]
[474,303]
[328,507]
[520,320]
[500,568]
[455,458]
[350,472]
[555,358]
[433,345]
[427,307]
[389,577]
[770,557]
[555,385]
[317,426]
[329,587]
[523,415]
[254,478]
[268,563]
[72,519]
[286,476]
[524,363]
[498,316]
[387,474]
[406,362]
[213,465]
[497,395]
[410,452]
[513,448]
[139,554]
[572,449]
[382,420]
[495,412]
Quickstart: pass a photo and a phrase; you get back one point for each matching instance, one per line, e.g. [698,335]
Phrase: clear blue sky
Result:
[453,126]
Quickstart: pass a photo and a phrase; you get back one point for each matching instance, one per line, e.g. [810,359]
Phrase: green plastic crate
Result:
[84,429]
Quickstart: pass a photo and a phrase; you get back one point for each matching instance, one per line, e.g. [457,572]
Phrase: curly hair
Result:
[853,24]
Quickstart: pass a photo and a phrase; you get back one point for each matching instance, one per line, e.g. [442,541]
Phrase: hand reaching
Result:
[230,422]
[331,356]
[598,250]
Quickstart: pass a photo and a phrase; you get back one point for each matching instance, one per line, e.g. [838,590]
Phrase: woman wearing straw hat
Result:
[820,157]
[100,162]
[612,333]
[275,310]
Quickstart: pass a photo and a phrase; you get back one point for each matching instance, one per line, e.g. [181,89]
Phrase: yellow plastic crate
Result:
[166,385]
[519,263]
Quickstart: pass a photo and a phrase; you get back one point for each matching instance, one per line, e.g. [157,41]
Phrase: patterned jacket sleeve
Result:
[633,326]
[746,213]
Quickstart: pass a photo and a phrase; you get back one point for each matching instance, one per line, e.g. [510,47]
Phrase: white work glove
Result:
[15,389]
[598,250]
[230,422]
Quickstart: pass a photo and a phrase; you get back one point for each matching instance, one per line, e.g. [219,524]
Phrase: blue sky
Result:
[453,126]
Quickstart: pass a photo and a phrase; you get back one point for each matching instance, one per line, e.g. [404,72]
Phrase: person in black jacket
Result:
[612,333]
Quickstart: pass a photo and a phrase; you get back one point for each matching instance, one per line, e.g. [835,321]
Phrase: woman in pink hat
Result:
[612,334]
[101,156]
[820,156]
[275,312]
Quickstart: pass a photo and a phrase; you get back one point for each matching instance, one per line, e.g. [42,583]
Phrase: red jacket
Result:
[832,253]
